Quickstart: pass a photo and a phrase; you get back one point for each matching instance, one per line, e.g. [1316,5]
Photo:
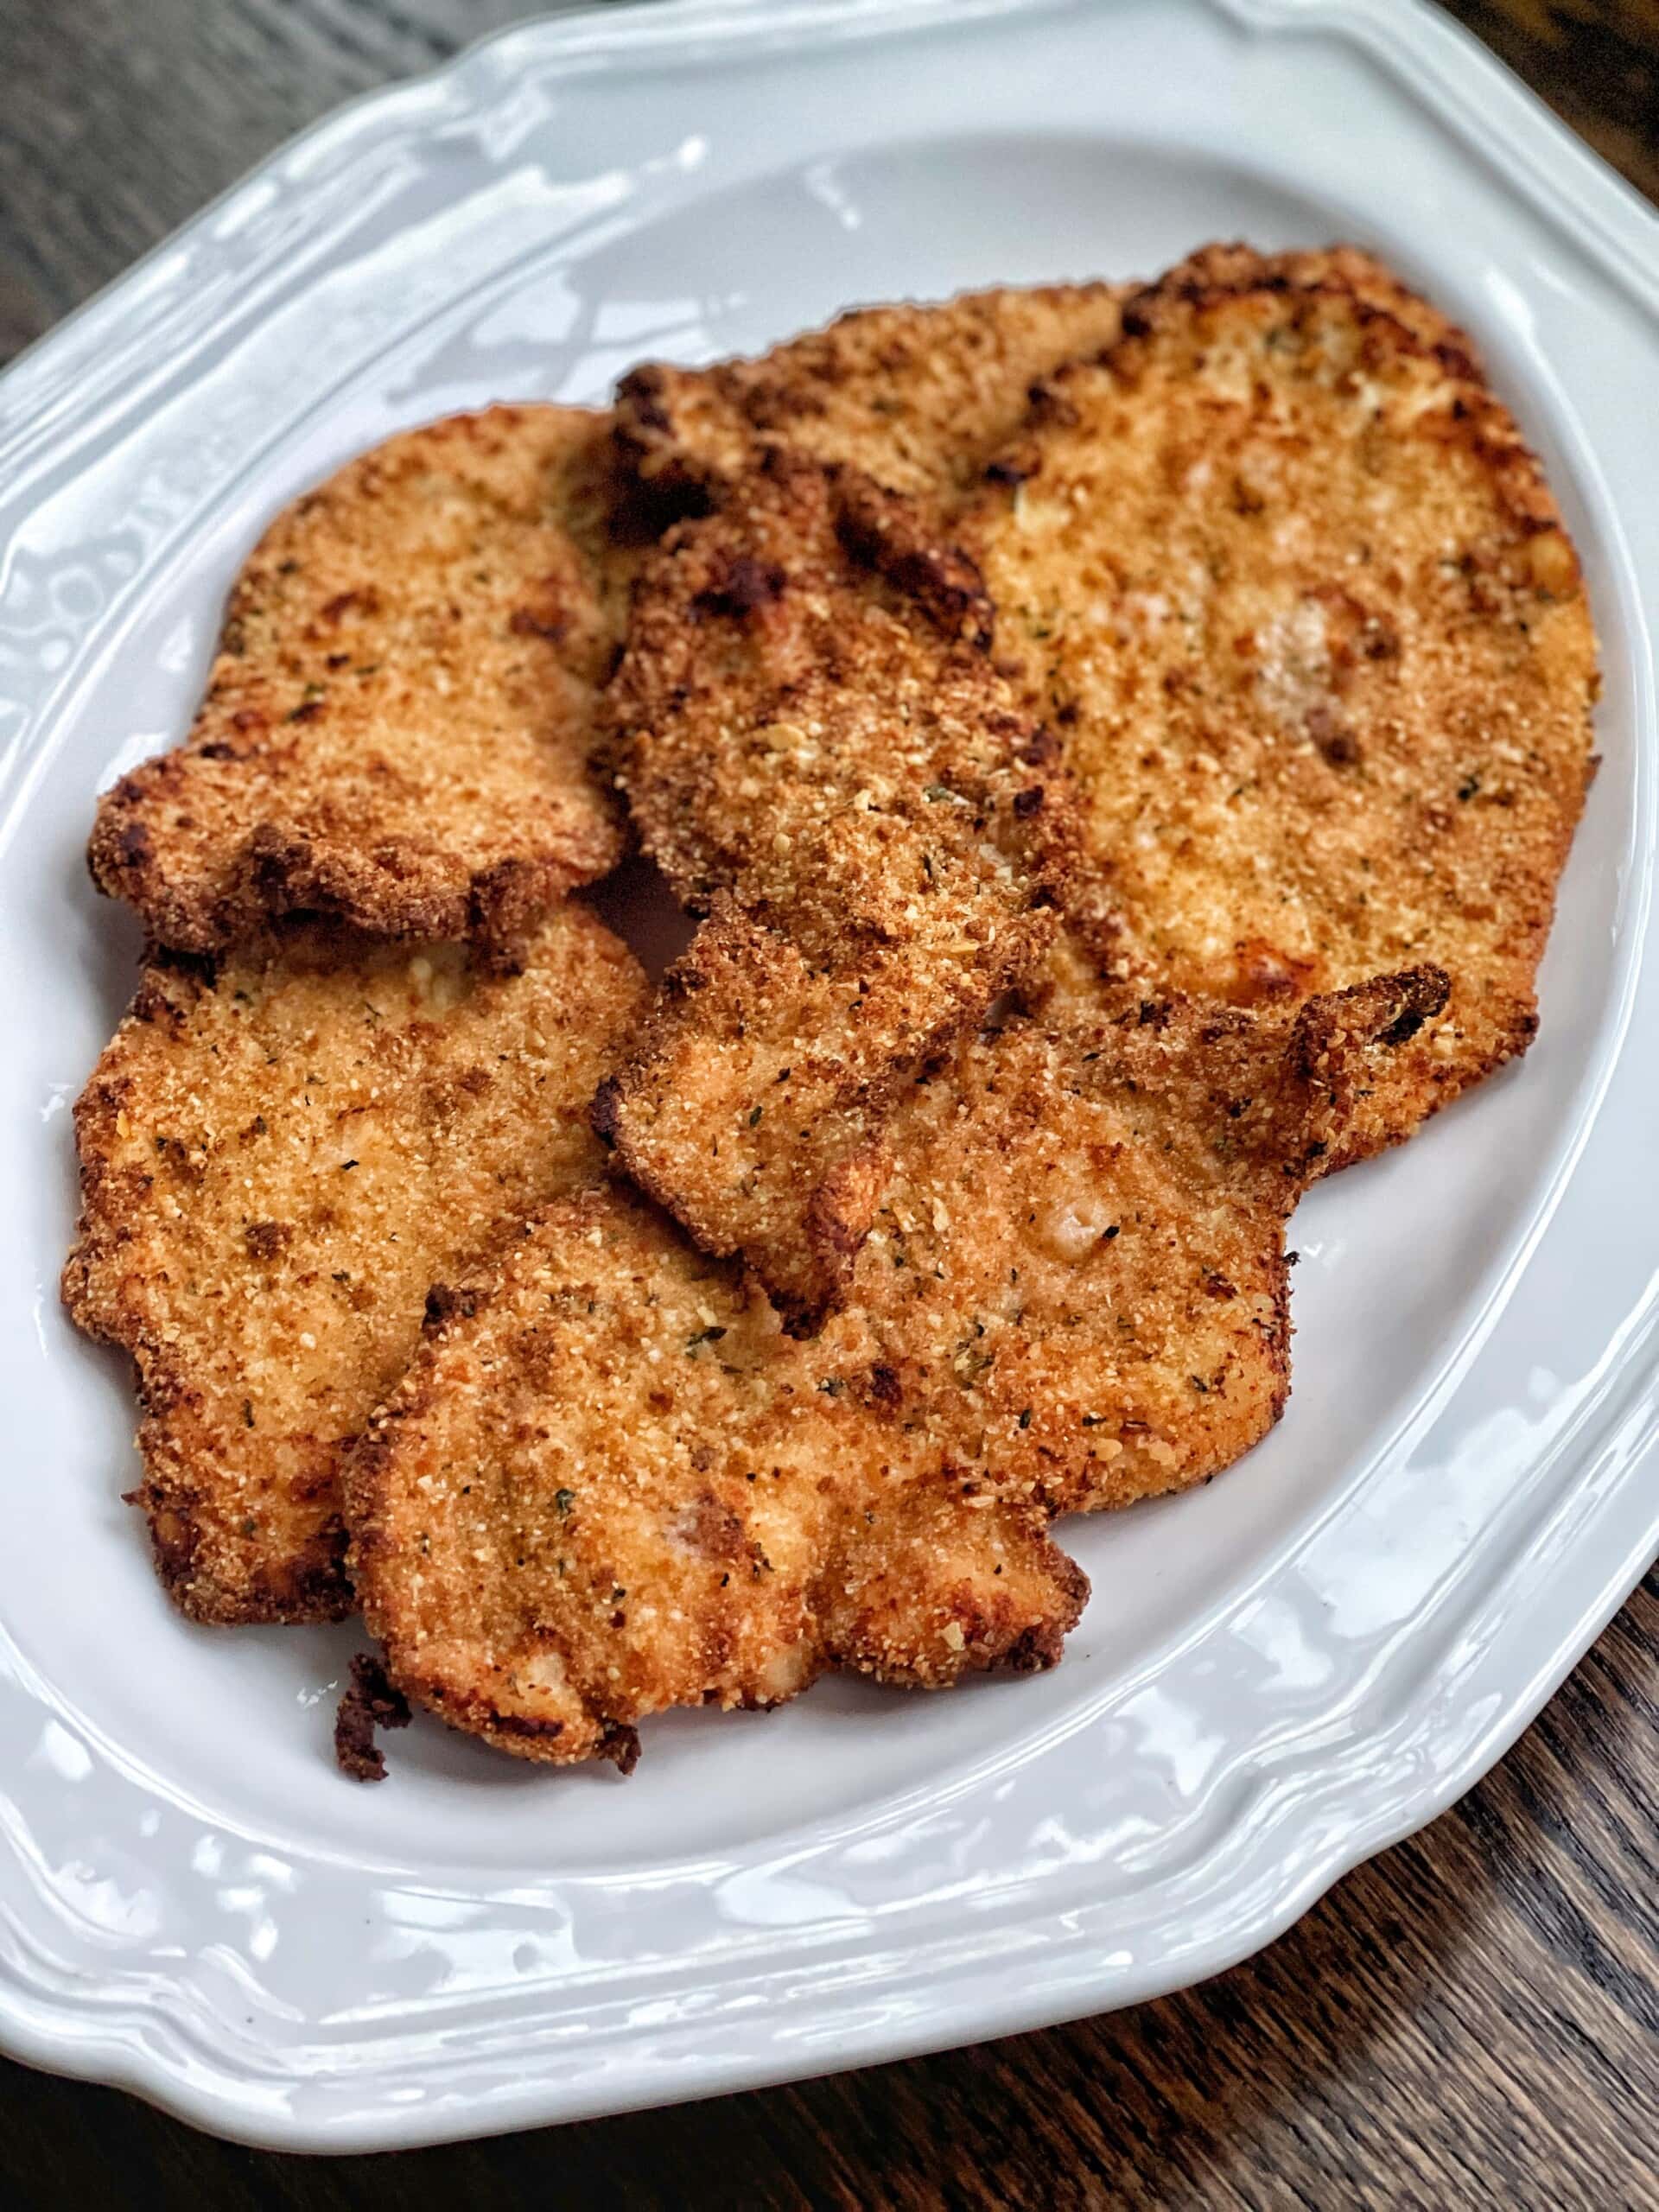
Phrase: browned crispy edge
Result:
[281,874]
[1234,266]
[361,1477]
[318,1589]
[1490,433]
[653,449]
[647,436]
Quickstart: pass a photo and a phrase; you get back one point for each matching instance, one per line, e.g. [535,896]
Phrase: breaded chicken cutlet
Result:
[1075,1287]
[1281,572]
[869,390]
[279,1153]
[609,1485]
[820,755]
[922,397]
[397,727]
[917,398]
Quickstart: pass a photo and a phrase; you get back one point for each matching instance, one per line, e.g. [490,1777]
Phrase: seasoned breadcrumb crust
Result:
[917,398]
[816,746]
[1281,570]
[609,1484]
[397,726]
[278,1156]
[1074,1285]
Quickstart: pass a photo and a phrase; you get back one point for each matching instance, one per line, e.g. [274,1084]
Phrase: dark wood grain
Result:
[1595,61]
[1472,2019]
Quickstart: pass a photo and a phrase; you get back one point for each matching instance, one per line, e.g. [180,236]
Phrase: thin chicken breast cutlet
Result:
[819,754]
[1075,1286]
[611,1484]
[397,728]
[1281,572]
[279,1155]
[662,1506]
[923,397]
[1279,843]
[918,398]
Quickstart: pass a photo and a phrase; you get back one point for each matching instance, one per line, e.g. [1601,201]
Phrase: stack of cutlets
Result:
[1118,746]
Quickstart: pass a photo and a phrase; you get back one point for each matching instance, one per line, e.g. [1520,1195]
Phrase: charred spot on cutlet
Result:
[742,587]
[444,1305]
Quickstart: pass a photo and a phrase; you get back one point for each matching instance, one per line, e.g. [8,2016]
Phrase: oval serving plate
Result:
[1278,1675]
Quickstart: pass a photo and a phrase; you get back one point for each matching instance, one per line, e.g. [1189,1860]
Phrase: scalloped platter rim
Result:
[1277,1675]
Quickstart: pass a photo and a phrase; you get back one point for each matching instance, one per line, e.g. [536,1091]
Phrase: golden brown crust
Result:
[397,728]
[924,397]
[917,398]
[1232,266]
[609,1485]
[815,743]
[277,1156]
[1074,1287]
[1286,577]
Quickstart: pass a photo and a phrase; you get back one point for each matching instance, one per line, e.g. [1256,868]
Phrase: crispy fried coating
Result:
[923,397]
[1233,267]
[815,745]
[917,398]
[609,1484]
[278,1156]
[1282,571]
[397,728]
[1075,1287]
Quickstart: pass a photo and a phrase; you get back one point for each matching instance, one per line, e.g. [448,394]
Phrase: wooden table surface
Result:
[1471,2019]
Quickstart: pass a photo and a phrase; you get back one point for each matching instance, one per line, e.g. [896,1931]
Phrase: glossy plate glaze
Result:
[1277,1675]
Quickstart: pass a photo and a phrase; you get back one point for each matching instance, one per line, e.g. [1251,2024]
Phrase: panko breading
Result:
[815,743]
[278,1156]
[1282,571]
[1234,267]
[918,398]
[923,397]
[397,728]
[609,1484]
[1075,1288]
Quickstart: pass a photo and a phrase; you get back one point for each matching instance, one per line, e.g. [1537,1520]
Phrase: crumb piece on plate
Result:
[369,1704]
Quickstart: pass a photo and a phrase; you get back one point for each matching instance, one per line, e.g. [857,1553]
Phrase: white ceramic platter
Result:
[1278,1675]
